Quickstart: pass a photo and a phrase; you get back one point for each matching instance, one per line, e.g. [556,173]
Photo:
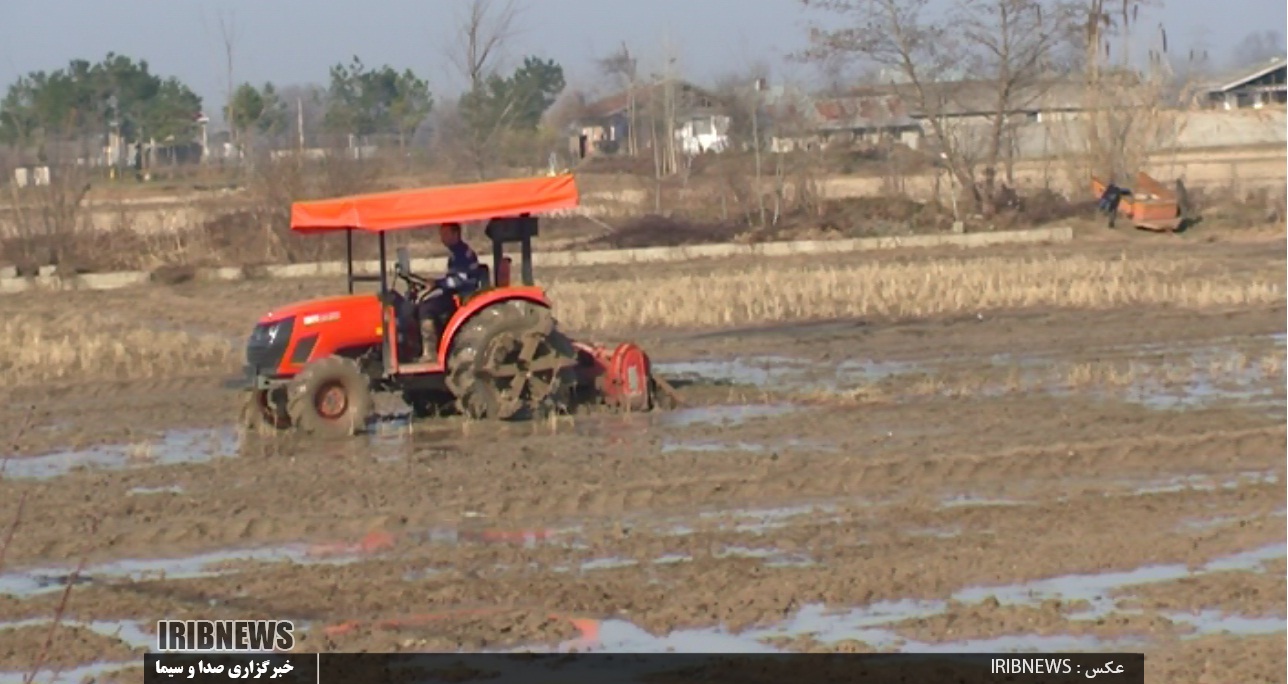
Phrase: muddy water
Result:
[812,522]
[871,624]
[1246,371]
[176,447]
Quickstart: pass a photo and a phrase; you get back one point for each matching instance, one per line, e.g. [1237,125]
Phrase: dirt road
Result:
[1033,479]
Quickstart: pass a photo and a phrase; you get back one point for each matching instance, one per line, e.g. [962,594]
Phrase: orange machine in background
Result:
[1150,206]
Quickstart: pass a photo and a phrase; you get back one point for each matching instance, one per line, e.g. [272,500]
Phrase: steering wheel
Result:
[414,282]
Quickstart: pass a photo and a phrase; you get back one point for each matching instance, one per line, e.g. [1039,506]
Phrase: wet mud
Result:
[1033,480]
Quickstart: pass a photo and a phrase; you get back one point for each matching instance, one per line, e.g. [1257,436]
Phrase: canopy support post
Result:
[498,253]
[388,323]
[525,246]
[348,255]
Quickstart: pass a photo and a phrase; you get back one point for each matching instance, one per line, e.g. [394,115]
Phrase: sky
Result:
[294,42]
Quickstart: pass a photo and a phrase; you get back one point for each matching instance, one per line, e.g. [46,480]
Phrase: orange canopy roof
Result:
[379,212]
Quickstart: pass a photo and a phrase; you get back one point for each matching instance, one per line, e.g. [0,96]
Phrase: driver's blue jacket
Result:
[464,275]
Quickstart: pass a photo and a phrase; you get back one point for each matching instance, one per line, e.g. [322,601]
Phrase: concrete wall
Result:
[1240,171]
[1062,136]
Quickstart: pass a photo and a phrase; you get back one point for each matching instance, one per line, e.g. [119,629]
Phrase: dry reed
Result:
[98,346]
[948,286]
[114,339]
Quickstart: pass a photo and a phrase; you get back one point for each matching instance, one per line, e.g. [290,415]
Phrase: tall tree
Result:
[366,101]
[516,102]
[85,99]
[256,111]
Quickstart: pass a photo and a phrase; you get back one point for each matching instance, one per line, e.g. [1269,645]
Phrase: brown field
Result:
[1076,447]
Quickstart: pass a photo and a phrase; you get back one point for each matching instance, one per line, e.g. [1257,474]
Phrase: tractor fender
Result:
[479,302]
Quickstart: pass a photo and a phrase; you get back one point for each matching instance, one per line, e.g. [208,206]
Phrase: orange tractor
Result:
[314,365]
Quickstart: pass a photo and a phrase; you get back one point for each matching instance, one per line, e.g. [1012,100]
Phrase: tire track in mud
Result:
[536,494]
[827,476]
[1066,334]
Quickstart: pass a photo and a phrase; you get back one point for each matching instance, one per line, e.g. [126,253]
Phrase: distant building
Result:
[701,124]
[1254,87]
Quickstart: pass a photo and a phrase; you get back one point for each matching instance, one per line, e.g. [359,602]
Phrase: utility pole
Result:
[757,87]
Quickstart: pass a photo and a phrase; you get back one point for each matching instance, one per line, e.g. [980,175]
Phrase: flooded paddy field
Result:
[1036,479]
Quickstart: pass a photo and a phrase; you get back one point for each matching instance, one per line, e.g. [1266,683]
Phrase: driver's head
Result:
[449,233]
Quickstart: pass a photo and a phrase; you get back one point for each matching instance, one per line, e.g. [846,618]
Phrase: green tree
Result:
[85,99]
[516,102]
[257,110]
[365,101]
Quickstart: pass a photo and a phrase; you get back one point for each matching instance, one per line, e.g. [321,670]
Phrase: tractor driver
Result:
[462,278]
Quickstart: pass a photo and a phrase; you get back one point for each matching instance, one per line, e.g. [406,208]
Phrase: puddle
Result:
[128,631]
[143,491]
[1163,377]
[131,632]
[680,446]
[1097,589]
[85,673]
[966,500]
[772,557]
[35,581]
[726,415]
[1226,520]
[871,624]
[1188,377]
[757,520]
[779,372]
[759,371]
[623,636]
[1186,483]
[527,538]
[174,448]
[1216,622]
[629,426]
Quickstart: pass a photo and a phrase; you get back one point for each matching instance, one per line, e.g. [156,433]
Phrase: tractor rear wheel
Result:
[330,397]
[509,358]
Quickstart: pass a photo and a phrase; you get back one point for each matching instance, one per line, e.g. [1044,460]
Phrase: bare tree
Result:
[481,37]
[228,38]
[1007,44]
[622,66]
[895,34]
[482,34]
[1011,43]
[1126,110]
[1256,48]
[742,93]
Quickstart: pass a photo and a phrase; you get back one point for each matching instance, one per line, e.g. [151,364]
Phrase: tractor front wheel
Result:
[509,358]
[330,397]
[266,408]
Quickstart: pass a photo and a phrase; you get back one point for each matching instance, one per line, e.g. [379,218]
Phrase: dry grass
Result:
[119,335]
[94,345]
[950,286]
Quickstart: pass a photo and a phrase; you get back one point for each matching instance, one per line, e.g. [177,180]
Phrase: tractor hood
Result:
[326,307]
